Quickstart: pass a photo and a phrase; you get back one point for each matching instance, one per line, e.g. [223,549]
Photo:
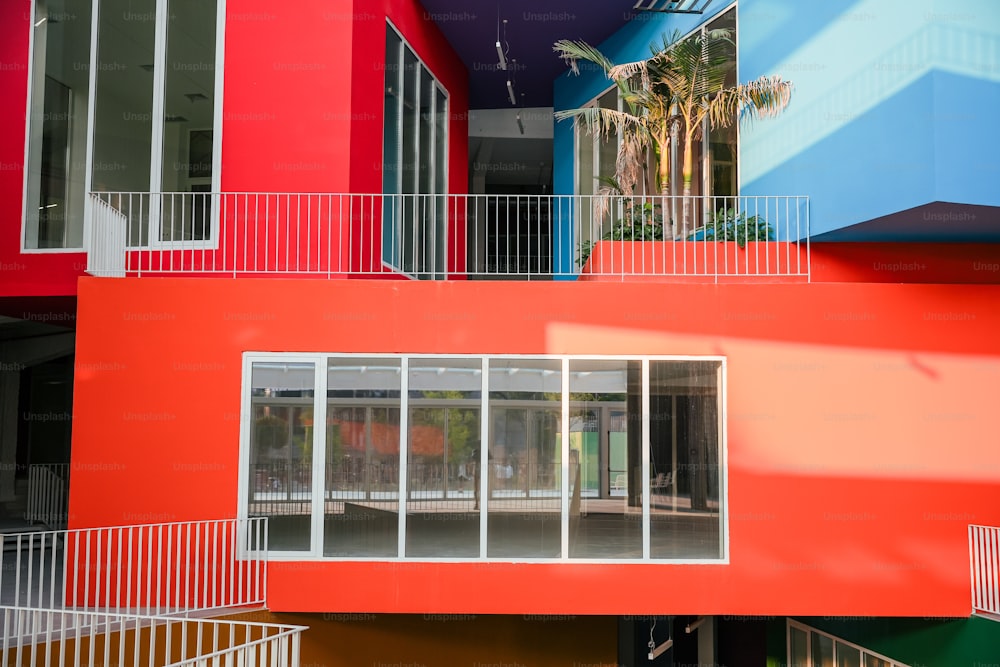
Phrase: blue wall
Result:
[896,103]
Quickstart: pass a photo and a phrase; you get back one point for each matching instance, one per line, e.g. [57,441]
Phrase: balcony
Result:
[437,237]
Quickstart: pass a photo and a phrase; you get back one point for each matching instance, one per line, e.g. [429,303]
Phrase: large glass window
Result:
[152,118]
[414,166]
[477,457]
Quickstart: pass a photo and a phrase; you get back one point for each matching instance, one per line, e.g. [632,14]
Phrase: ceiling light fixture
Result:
[501,51]
[691,627]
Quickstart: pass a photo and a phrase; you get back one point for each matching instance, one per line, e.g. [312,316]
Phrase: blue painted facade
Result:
[895,106]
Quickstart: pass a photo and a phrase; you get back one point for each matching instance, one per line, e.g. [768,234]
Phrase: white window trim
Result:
[156,161]
[809,629]
[319,361]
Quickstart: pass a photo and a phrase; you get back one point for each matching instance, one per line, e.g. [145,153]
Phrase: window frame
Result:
[437,173]
[321,401]
[212,242]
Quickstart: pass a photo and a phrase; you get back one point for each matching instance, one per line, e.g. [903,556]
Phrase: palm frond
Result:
[602,121]
[765,97]
[573,51]
[628,70]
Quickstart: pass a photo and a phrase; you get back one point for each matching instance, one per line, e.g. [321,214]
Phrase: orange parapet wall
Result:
[859,421]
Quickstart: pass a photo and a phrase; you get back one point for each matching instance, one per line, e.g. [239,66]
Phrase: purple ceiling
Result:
[532,27]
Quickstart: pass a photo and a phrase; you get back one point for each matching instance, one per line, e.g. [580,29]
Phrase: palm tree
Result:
[682,83]
[644,125]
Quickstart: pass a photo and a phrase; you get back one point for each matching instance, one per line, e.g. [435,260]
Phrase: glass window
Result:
[414,142]
[57,125]
[684,450]
[525,458]
[848,656]
[822,650]
[133,151]
[391,147]
[414,459]
[281,451]
[610,526]
[123,106]
[361,504]
[188,119]
[808,647]
[798,647]
[442,505]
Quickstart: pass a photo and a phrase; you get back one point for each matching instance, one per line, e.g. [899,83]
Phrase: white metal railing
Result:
[166,568]
[64,638]
[48,494]
[446,236]
[984,557]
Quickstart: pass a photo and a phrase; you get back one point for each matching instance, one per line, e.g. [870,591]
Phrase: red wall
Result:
[861,430]
[287,101]
[22,274]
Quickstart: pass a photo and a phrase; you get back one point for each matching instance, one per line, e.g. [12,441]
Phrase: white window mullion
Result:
[400,212]
[156,139]
[646,497]
[565,471]
[319,457]
[404,431]
[483,463]
[246,419]
[88,175]
[432,183]
[723,448]
[220,52]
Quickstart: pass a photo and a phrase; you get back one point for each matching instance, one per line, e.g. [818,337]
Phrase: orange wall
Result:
[861,434]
